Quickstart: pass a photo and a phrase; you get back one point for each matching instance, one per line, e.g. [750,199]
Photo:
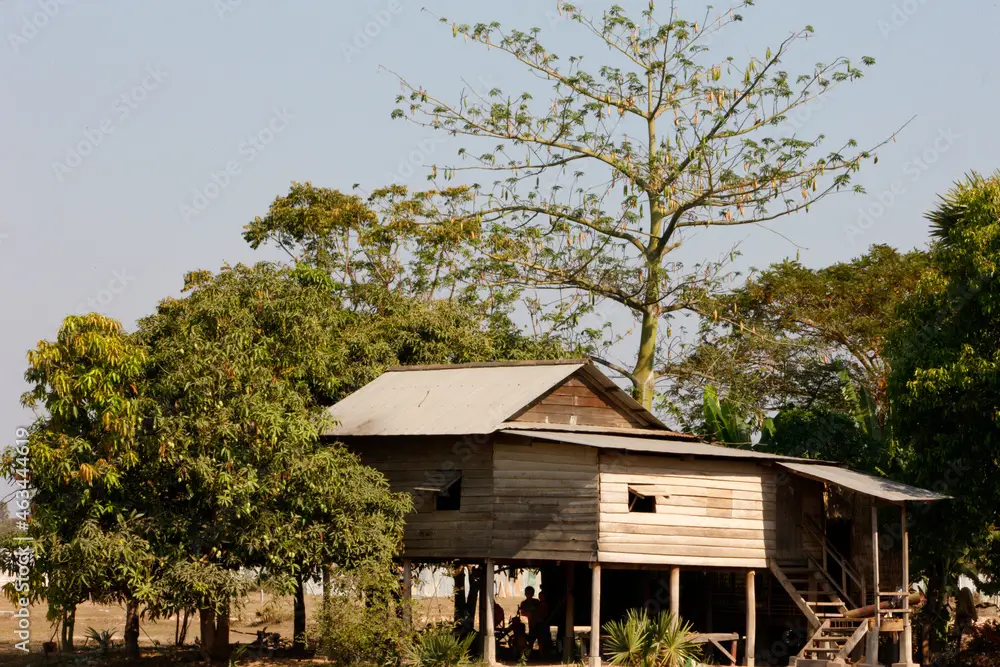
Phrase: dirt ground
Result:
[243,629]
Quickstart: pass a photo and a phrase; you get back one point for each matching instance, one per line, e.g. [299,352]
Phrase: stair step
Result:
[834,603]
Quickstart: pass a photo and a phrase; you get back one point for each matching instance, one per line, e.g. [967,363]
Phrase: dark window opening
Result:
[638,502]
[449,499]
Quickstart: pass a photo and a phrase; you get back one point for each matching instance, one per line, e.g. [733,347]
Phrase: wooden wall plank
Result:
[577,401]
[545,500]
[708,512]
[409,462]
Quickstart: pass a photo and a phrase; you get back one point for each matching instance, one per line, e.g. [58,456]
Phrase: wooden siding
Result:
[711,513]
[545,501]
[409,462]
[576,401]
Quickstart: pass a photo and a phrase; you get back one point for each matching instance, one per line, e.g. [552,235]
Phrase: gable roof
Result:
[459,399]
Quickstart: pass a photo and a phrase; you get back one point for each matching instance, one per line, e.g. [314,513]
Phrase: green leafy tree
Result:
[805,338]
[945,390]
[595,187]
[377,249]
[80,453]
[241,369]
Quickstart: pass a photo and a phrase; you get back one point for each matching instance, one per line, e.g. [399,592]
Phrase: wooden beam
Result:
[793,593]
[871,641]
[407,591]
[569,636]
[489,643]
[906,638]
[595,616]
[751,618]
[675,591]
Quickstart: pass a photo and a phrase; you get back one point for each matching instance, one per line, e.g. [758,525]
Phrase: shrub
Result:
[664,640]
[437,646]
[982,649]
[353,634]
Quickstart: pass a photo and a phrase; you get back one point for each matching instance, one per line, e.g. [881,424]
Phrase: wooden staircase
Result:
[832,635]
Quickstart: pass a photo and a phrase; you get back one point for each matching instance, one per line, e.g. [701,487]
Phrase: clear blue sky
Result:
[170,93]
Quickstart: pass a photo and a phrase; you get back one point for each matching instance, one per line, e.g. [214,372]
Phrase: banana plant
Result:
[723,421]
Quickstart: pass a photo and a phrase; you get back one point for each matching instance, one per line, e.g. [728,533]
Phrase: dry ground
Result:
[244,625]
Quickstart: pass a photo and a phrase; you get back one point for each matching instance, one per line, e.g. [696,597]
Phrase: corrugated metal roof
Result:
[885,489]
[662,445]
[446,400]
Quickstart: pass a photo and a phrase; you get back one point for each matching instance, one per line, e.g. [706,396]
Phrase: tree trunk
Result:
[206,617]
[299,629]
[182,635]
[645,363]
[472,600]
[458,578]
[220,645]
[132,630]
[327,603]
[68,625]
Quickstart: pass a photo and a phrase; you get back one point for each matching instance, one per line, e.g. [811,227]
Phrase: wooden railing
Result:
[831,553]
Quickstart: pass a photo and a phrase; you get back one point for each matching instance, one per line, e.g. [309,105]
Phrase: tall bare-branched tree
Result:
[594,187]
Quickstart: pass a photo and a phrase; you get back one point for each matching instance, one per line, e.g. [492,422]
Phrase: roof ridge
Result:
[489,364]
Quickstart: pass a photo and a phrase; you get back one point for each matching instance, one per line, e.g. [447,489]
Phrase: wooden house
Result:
[551,465]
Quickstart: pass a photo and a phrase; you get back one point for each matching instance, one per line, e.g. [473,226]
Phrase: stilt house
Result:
[550,465]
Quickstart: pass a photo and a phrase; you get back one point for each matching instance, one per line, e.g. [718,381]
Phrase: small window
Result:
[449,499]
[638,502]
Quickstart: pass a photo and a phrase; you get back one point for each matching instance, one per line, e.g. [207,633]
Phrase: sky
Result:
[138,138]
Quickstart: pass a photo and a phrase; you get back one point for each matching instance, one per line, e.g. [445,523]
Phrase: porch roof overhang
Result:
[885,489]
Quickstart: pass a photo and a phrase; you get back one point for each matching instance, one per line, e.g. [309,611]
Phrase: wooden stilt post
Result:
[595,616]
[489,643]
[675,591]
[871,641]
[569,637]
[751,618]
[407,591]
[906,638]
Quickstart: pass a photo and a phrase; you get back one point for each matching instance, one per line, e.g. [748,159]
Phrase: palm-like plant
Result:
[104,639]
[664,640]
[439,647]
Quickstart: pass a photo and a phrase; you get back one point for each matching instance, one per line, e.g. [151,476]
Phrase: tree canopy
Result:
[591,190]
[795,332]
[945,386]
